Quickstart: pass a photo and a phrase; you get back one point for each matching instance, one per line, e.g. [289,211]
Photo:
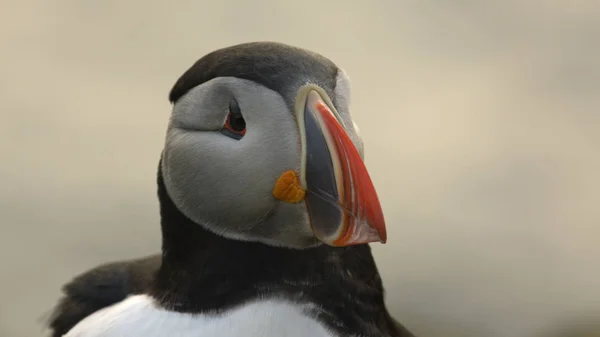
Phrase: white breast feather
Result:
[139,316]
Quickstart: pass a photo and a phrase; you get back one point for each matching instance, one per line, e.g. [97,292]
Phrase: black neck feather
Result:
[204,272]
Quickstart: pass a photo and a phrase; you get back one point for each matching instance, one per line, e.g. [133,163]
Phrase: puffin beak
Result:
[340,197]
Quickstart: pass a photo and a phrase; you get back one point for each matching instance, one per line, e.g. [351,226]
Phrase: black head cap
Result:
[277,66]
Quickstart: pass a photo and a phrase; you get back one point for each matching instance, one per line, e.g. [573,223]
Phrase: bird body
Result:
[267,212]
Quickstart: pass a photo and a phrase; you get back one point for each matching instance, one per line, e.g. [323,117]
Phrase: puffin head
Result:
[261,147]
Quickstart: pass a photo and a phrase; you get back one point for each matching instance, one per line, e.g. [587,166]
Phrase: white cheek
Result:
[356,129]
[342,88]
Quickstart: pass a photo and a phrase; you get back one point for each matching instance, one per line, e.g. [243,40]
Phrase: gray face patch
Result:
[224,184]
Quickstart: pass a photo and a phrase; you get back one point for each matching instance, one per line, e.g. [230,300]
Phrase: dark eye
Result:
[235,125]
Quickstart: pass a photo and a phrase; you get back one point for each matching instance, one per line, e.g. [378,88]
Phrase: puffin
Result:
[267,213]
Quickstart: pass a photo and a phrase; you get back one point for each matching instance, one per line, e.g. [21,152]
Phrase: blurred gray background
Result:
[481,122]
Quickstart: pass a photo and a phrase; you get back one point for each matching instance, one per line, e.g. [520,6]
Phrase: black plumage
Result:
[202,272]
[100,287]
[276,66]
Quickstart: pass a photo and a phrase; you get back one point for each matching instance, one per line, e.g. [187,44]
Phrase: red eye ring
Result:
[235,124]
